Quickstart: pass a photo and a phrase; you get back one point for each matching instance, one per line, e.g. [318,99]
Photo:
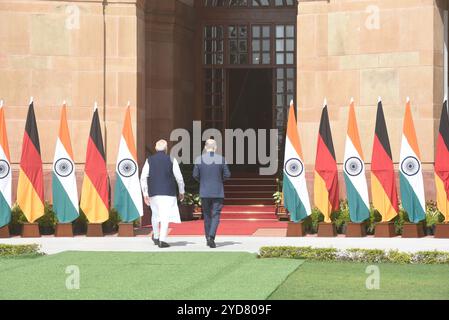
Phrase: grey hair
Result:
[210,145]
[161,145]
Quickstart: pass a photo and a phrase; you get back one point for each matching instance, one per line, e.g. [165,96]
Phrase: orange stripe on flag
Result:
[409,130]
[353,131]
[64,134]
[292,130]
[321,197]
[3,134]
[381,201]
[128,135]
[92,204]
[442,199]
[28,199]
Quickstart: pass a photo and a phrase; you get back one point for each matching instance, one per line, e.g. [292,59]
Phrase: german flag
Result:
[95,190]
[326,175]
[30,188]
[383,183]
[442,164]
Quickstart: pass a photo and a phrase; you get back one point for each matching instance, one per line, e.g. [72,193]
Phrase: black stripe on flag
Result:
[381,129]
[325,131]
[444,125]
[31,128]
[95,133]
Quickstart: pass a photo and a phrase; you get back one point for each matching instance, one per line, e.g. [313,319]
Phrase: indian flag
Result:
[65,194]
[128,196]
[296,196]
[410,171]
[5,172]
[354,172]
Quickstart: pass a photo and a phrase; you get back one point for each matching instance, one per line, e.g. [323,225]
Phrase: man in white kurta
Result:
[158,181]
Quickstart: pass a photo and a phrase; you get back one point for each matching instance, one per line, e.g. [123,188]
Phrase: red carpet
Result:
[226,227]
[234,220]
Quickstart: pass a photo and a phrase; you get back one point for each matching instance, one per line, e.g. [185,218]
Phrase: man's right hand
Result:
[147,200]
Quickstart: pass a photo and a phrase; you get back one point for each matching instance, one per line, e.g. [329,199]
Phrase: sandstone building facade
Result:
[182,60]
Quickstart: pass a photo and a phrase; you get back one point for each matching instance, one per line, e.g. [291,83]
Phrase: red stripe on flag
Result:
[96,170]
[326,167]
[442,163]
[382,167]
[31,164]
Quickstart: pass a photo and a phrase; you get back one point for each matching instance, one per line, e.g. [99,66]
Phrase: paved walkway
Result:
[51,245]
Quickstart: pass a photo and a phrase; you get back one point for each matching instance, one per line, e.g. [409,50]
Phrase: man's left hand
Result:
[181,196]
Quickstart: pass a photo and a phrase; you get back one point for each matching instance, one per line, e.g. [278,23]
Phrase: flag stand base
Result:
[327,230]
[356,230]
[442,230]
[4,232]
[126,229]
[413,230]
[30,230]
[296,229]
[64,230]
[385,230]
[94,230]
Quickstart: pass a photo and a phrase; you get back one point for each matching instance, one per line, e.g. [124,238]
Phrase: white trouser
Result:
[159,232]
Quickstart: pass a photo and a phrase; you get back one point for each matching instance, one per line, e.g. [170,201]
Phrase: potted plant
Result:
[278,199]
[432,217]
[80,224]
[17,220]
[197,206]
[342,217]
[186,207]
[48,221]
[111,225]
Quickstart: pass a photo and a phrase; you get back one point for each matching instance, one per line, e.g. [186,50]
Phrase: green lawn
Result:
[105,275]
[342,280]
[170,275]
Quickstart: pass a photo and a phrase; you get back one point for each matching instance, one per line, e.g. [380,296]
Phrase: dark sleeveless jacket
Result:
[161,180]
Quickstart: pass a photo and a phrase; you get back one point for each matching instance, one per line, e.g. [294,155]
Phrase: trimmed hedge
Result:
[355,255]
[7,250]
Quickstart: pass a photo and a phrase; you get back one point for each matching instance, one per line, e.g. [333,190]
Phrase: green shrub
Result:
[355,255]
[111,225]
[430,257]
[364,255]
[374,217]
[48,221]
[80,224]
[394,256]
[17,219]
[342,217]
[7,250]
[315,218]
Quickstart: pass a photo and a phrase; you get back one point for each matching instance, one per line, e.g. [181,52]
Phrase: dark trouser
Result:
[211,208]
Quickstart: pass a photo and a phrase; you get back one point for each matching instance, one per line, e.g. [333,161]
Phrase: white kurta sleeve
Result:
[143,178]
[178,176]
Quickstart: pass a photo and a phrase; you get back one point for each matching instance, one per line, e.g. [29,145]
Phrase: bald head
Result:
[210,145]
[161,145]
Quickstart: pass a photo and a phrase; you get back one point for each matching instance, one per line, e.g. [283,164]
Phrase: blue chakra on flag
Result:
[410,166]
[354,166]
[127,168]
[4,169]
[63,167]
[294,167]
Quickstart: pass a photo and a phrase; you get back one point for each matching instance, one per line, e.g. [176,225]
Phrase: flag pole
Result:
[31,100]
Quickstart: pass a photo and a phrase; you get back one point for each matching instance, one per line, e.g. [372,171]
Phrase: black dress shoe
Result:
[163,244]
[156,241]
[212,243]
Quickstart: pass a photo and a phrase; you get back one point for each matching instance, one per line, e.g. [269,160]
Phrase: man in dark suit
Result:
[210,171]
